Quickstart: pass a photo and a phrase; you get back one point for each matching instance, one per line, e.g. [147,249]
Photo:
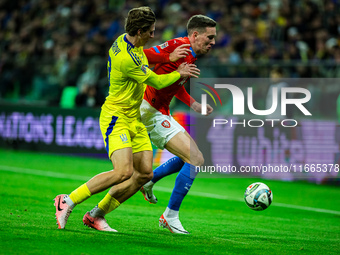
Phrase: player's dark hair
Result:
[199,23]
[139,18]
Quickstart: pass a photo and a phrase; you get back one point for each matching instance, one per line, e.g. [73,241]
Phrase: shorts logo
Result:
[166,124]
[124,139]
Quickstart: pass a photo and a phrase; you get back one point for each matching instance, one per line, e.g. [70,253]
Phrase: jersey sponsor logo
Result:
[166,124]
[143,68]
[164,45]
[124,138]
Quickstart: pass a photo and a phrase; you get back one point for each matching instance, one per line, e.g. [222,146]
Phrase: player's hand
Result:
[188,70]
[180,52]
[197,107]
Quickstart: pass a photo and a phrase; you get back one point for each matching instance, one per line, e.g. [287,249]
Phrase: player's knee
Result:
[197,158]
[150,176]
[124,175]
[144,177]
[147,177]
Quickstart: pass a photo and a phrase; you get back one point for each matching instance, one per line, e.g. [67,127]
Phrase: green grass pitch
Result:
[303,219]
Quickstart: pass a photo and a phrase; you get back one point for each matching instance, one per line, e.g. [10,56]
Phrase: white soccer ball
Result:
[258,196]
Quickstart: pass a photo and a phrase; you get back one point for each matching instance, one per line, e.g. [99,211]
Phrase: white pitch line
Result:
[158,188]
[43,173]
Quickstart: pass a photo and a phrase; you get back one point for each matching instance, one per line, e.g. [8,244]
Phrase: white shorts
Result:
[161,128]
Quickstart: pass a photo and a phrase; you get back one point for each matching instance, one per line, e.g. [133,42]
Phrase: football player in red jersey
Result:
[163,130]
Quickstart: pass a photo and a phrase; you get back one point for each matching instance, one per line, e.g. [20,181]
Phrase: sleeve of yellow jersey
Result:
[141,74]
[134,71]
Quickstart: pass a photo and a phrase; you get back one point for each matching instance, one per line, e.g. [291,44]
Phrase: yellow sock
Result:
[80,194]
[108,204]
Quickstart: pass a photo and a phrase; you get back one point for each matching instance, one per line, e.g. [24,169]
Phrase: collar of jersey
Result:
[192,52]
[127,41]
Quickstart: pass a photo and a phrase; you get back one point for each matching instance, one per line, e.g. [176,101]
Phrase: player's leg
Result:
[119,193]
[183,146]
[116,195]
[122,162]
[161,129]
[142,164]
[173,165]
[118,149]
[123,170]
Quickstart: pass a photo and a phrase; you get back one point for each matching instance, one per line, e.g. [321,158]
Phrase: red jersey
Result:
[159,55]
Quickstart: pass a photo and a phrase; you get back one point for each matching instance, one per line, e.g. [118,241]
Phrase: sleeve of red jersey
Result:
[160,53]
[184,96]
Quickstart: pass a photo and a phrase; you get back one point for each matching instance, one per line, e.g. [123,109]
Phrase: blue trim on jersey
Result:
[109,131]
[127,41]
[156,49]
[129,47]
[134,57]
[192,52]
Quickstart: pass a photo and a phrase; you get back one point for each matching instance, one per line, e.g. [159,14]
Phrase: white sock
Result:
[169,213]
[97,212]
[69,201]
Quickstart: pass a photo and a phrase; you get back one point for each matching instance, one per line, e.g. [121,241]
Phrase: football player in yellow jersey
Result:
[125,137]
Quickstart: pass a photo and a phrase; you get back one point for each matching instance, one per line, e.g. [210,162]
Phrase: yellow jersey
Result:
[127,68]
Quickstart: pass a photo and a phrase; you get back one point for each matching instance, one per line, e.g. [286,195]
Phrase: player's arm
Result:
[184,96]
[143,74]
[197,107]
[159,55]
[155,56]
[164,80]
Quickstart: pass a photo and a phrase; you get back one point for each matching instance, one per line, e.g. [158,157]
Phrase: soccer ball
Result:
[258,196]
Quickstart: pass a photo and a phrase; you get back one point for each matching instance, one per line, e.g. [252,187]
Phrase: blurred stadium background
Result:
[53,80]
[49,48]
[53,57]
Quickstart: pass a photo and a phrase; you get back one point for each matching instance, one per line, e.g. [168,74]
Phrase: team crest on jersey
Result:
[164,45]
[166,124]
[143,68]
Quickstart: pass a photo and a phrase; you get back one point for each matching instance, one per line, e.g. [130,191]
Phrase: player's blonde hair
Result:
[139,18]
